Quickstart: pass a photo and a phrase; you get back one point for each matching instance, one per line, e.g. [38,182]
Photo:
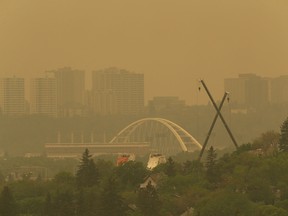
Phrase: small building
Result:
[155,160]
[153,179]
[148,180]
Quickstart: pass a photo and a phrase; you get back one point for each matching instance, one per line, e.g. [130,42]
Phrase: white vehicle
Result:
[155,159]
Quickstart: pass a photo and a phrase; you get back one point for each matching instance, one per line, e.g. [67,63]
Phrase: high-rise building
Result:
[117,91]
[279,89]
[248,89]
[236,88]
[70,91]
[12,96]
[43,96]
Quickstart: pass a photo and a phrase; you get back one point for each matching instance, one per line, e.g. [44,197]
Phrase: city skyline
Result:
[191,96]
[62,93]
[91,91]
[195,99]
[179,42]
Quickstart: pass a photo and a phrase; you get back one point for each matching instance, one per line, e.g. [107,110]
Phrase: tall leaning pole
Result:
[215,119]
[212,126]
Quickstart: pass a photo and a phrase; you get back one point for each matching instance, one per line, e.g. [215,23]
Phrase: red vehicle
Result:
[124,158]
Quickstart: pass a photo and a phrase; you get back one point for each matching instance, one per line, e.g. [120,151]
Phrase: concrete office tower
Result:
[117,91]
[70,91]
[279,89]
[12,96]
[249,90]
[43,96]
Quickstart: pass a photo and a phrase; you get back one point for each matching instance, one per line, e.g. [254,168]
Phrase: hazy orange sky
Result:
[173,42]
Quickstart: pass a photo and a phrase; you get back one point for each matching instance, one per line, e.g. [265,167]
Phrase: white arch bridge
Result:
[164,136]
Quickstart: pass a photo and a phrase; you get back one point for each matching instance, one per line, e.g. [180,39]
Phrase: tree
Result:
[283,141]
[105,167]
[268,142]
[222,203]
[2,178]
[63,203]
[112,204]
[7,203]
[170,169]
[211,172]
[192,167]
[64,178]
[31,206]
[270,210]
[259,189]
[87,174]
[48,207]
[88,201]
[131,173]
[148,201]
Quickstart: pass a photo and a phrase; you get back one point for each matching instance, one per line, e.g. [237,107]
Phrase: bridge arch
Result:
[138,130]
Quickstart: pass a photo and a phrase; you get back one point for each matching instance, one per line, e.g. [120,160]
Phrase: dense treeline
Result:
[252,181]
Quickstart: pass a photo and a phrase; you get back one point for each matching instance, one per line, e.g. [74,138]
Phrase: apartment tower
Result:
[70,91]
[117,91]
[12,96]
[43,96]
[249,90]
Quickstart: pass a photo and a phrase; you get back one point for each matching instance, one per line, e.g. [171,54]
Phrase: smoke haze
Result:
[173,42]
